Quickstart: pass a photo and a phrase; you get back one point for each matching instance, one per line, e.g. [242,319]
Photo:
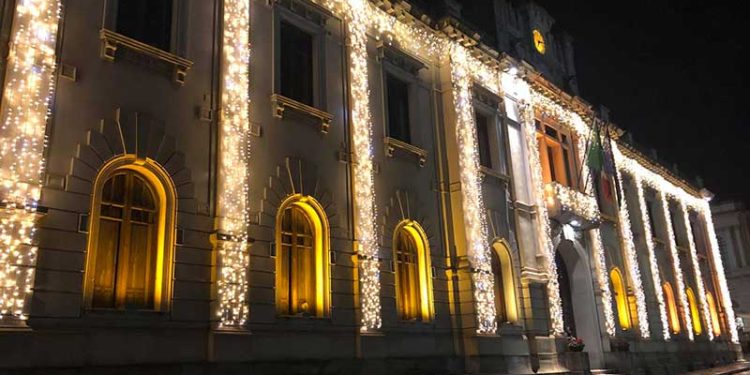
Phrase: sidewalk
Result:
[734,368]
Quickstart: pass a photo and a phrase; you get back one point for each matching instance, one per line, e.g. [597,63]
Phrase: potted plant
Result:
[575,344]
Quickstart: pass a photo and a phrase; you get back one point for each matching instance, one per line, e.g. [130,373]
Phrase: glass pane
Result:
[142,195]
[397,92]
[296,64]
[105,264]
[148,21]
[483,139]
[141,264]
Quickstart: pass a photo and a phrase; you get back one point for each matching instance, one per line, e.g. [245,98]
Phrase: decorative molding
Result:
[391,144]
[280,103]
[111,41]
[399,58]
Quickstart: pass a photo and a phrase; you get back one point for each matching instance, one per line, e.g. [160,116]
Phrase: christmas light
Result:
[28,89]
[697,270]
[653,262]
[603,278]
[471,188]
[626,233]
[232,246]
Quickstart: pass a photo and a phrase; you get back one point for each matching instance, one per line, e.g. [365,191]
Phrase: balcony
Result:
[569,206]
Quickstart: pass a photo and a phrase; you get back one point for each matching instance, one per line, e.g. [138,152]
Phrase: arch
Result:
[715,321]
[131,236]
[621,298]
[694,313]
[672,314]
[302,257]
[505,286]
[411,254]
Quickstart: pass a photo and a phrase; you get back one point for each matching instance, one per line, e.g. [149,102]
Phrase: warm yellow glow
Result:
[539,43]
[163,186]
[315,214]
[697,326]
[715,321]
[502,250]
[702,207]
[416,235]
[674,317]
[653,265]
[698,277]
[29,84]
[621,298]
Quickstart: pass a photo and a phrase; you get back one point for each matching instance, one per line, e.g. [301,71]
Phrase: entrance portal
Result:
[580,316]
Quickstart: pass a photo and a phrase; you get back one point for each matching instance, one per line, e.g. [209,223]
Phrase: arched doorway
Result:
[580,316]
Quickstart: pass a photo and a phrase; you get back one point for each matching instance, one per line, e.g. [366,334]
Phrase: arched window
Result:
[505,290]
[674,318]
[715,321]
[302,262]
[694,312]
[131,236]
[411,256]
[621,297]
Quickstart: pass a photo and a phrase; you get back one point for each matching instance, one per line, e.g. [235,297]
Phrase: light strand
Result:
[679,278]
[233,246]
[697,270]
[545,232]
[652,260]
[603,278]
[626,233]
[364,186]
[25,108]
[700,205]
[471,188]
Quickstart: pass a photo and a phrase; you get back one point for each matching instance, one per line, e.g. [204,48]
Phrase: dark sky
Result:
[675,74]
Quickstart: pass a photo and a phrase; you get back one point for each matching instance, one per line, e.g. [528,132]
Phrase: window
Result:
[651,220]
[397,92]
[672,315]
[715,321]
[148,21]
[556,153]
[302,258]
[505,291]
[483,139]
[296,64]
[694,312]
[621,298]
[131,237]
[413,272]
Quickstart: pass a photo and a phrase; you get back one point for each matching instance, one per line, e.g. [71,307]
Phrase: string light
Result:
[29,87]
[601,270]
[471,189]
[545,232]
[626,233]
[697,270]
[234,259]
[700,205]
[364,186]
[654,266]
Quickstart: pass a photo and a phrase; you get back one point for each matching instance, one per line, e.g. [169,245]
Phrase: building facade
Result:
[732,221]
[333,186]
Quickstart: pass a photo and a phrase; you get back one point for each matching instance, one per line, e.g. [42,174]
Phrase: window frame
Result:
[318,33]
[541,124]
[489,105]
[163,186]
[316,215]
[426,308]
[178,30]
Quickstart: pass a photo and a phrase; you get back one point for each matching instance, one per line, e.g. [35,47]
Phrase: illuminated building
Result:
[350,186]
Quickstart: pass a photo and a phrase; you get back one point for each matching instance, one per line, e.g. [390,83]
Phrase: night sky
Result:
[675,74]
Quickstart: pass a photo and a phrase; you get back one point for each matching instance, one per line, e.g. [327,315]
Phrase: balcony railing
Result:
[569,206]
